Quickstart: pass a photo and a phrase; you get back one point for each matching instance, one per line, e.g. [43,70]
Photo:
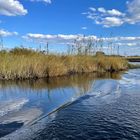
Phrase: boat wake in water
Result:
[11,106]
[106,91]
[109,110]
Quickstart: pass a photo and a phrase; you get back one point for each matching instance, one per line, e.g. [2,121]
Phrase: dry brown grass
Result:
[21,64]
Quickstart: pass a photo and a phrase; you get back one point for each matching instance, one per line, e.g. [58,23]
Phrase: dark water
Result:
[86,107]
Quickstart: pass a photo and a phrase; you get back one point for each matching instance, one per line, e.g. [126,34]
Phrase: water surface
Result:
[89,106]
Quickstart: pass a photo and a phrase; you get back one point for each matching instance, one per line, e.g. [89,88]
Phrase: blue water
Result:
[86,107]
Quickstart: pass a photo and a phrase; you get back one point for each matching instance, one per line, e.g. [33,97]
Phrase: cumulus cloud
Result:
[102,10]
[84,28]
[46,1]
[92,9]
[107,18]
[112,12]
[114,17]
[110,21]
[48,36]
[15,7]
[69,39]
[12,8]
[39,36]
[122,39]
[59,38]
[130,44]
[130,38]
[80,36]
[4,33]
[133,11]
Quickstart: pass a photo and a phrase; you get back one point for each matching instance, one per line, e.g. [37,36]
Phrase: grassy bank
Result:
[25,64]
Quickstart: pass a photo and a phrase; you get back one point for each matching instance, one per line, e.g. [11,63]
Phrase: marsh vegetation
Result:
[21,63]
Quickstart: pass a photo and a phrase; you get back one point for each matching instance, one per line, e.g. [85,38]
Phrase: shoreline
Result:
[111,71]
[67,75]
[20,64]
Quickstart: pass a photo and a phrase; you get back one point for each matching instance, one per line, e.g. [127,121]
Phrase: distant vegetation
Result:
[21,63]
[133,58]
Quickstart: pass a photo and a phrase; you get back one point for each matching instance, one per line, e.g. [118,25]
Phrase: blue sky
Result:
[26,22]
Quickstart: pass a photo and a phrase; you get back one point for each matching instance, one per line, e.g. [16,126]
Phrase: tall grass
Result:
[25,64]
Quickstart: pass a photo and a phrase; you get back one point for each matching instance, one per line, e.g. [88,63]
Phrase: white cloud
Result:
[59,38]
[107,18]
[110,21]
[92,9]
[114,17]
[130,38]
[102,10]
[80,36]
[115,12]
[47,1]
[40,36]
[15,7]
[84,28]
[69,39]
[12,8]
[130,44]
[134,11]
[112,12]
[5,33]
[122,39]
[50,37]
